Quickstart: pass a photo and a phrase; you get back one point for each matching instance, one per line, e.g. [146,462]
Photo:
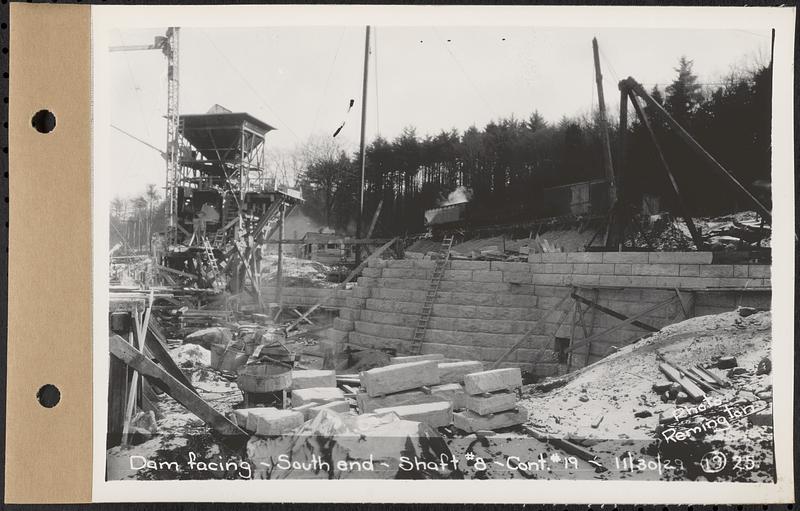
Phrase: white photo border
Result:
[107,17]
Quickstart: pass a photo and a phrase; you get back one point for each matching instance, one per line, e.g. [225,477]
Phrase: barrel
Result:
[264,377]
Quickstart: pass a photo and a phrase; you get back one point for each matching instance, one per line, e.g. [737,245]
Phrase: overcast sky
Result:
[300,80]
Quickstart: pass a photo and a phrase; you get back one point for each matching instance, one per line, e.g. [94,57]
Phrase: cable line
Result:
[250,86]
[460,67]
[328,79]
[377,97]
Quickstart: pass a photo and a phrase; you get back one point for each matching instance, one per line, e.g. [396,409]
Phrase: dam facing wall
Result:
[483,308]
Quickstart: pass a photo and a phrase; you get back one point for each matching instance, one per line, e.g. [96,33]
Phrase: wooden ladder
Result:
[219,237]
[210,256]
[430,298]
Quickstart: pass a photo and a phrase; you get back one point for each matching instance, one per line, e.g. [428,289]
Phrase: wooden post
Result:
[628,321]
[140,322]
[613,313]
[592,313]
[623,138]
[163,380]
[279,276]
[619,215]
[362,143]
[608,165]
[572,331]
[374,219]
[684,211]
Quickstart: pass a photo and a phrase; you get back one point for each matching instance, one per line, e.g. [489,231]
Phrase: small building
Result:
[326,248]
[446,215]
[576,199]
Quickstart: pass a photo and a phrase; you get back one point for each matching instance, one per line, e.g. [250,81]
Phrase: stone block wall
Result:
[306,296]
[484,307]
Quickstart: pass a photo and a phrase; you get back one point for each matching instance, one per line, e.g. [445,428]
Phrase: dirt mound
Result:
[613,408]
[600,400]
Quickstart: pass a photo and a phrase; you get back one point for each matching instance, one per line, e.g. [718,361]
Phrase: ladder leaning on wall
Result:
[430,298]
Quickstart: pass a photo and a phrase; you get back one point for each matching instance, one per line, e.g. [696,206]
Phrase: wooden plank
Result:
[300,314]
[253,279]
[184,231]
[572,331]
[680,301]
[720,381]
[156,343]
[157,376]
[177,272]
[691,376]
[529,333]
[374,219]
[628,321]
[592,313]
[673,374]
[133,389]
[614,313]
[608,164]
[702,375]
[342,284]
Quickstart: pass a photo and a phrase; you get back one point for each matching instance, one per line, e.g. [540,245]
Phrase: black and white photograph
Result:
[439,250]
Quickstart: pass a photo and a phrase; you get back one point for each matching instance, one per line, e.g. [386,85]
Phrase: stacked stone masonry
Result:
[484,307]
[296,296]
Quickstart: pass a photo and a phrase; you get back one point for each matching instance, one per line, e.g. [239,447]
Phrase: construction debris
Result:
[630,383]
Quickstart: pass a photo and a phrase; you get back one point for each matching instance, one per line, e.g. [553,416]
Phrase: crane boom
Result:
[168,44]
[148,144]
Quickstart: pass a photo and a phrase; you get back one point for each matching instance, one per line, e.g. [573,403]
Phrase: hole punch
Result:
[44,121]
[48,396]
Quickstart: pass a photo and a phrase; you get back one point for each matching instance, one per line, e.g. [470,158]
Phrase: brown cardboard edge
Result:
[49,451]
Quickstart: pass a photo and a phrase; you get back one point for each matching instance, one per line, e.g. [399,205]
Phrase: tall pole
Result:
[362,144]
[279,279]
[607,164]
[171,51]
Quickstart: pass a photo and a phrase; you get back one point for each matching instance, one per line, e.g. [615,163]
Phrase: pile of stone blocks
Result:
[450,387]
[408,389]
[491,401]
[315,390]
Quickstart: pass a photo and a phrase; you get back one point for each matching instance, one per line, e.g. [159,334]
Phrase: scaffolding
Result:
[221,168]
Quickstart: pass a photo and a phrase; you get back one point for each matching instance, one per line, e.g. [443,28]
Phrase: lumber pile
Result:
[688,384]
[491,401]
